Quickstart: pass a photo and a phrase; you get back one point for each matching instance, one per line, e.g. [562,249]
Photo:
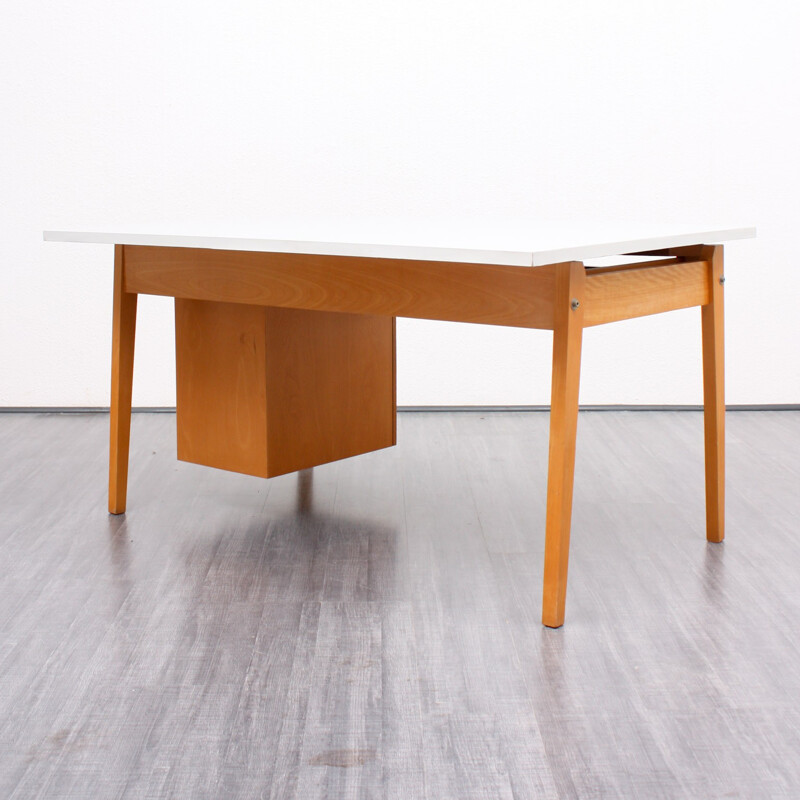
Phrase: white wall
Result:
[295,111]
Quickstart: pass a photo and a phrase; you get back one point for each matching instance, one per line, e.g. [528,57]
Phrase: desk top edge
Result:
[579,251]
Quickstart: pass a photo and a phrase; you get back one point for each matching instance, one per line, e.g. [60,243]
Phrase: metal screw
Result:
[721,279]
[575,303]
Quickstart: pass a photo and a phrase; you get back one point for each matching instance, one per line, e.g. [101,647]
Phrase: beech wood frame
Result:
[564,298]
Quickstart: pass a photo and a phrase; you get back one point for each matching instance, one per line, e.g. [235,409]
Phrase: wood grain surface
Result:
[123,335]
[265,390]
[636,292]
[330,385]
[566,375]
[221,385]
[489,294]
[712,320]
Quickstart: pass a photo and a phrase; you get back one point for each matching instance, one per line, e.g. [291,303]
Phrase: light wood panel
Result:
[714,396]
[330,386]
[569,316]
[221,383]
[490,294]
[661,262]
[122,345]
[637,292]
[266,391]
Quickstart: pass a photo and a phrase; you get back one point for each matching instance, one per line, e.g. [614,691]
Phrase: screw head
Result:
[721,279]
[575,303]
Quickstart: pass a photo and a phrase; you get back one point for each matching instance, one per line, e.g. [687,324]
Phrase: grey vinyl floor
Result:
[371,629]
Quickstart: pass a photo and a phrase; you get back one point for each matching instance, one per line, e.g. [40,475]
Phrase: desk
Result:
[285,350]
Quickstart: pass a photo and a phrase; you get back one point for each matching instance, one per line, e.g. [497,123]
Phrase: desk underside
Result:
[286,360]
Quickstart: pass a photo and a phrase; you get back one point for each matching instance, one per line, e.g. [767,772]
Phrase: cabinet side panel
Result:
[221,385]
[330,386]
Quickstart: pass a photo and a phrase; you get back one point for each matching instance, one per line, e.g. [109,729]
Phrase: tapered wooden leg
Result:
[567,335]
[714,398]
[123,335]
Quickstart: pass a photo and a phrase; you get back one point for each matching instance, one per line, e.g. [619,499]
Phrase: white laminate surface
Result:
[521,245]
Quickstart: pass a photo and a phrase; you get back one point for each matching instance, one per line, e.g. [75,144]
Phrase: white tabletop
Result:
[515,245]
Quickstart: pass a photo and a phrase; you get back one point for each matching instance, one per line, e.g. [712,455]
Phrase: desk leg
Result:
[123,334]
[567,335]
[714,398]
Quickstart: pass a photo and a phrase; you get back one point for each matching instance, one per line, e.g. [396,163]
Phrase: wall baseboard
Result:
[416,409]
